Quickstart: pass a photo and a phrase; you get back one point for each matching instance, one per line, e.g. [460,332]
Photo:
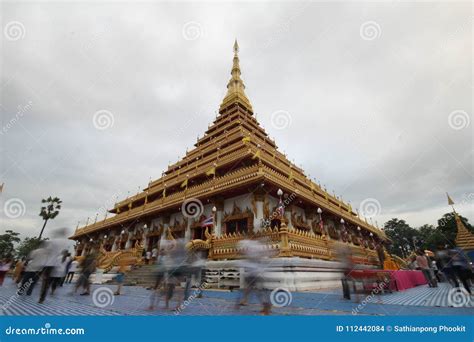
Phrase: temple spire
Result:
[235,86]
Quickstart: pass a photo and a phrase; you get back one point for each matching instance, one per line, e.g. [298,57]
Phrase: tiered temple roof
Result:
[464,238]
[234,153]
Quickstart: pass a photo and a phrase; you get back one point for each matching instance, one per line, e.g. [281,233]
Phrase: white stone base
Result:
[293,274]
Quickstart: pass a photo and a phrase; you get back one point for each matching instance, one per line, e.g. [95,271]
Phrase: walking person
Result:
[59,272]
[19,269]
[154,254]
[4,268]
[72,270]
[147,257]
[254,269]
[55,248]
[423,264]
[461,267]
[88,266]
[120,277]
[34,266]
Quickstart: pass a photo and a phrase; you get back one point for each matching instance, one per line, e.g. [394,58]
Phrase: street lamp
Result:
[280,192]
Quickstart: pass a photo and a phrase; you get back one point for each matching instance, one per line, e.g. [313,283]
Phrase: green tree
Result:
[27,245]
[404,238]
[7,244]
[447,229]
[49,211]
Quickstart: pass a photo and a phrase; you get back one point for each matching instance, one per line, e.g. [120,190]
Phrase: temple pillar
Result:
[166,225]
[129,239]
[257,204]
[187,232]
[288,211]
[219,204]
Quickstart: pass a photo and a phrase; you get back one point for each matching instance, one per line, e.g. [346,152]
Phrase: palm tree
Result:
[49,210]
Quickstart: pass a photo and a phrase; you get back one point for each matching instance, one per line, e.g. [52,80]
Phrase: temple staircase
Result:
[143,275]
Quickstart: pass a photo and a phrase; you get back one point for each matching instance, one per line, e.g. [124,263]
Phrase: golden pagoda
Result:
[464,238]
[236,178]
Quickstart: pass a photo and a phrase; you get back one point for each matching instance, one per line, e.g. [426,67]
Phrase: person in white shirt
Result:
[58,272]
[72,270]
[55,248]
[34,267]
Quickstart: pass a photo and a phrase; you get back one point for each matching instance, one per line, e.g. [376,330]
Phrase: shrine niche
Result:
[178,229]
[109,243]
[299,222]
[238,221]
[332,231]
[316,225]
[266,207]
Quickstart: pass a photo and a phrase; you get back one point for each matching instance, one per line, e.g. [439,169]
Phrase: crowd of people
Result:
[446,265]
[177,266]
[53,265]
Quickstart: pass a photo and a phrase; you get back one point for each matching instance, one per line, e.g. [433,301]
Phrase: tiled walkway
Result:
[135,300]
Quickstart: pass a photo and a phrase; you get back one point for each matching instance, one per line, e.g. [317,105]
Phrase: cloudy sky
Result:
[97,97]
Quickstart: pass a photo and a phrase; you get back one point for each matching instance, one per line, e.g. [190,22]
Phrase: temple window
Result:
[236,226]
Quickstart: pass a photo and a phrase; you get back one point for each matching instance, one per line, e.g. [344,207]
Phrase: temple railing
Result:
[284,242]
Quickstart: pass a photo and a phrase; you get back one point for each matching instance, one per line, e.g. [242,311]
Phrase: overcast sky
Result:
[374,100]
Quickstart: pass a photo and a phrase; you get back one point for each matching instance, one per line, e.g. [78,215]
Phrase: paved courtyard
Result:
[135,300]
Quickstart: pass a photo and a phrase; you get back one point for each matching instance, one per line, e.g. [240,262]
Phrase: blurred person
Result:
[34,267]
[461,267]
[88,266]
[381,254]
[120,277]
[4,268]
[72,270]
[177,267]
[253,263]
[196,264]
[344,253]
[54,250]
[154,254]
[19,269]
[160,273]
[69,261]
[59,271]
[147,257]
[423,263]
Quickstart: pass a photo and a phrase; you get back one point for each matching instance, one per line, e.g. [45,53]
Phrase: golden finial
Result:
[235,86]
[236,47]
